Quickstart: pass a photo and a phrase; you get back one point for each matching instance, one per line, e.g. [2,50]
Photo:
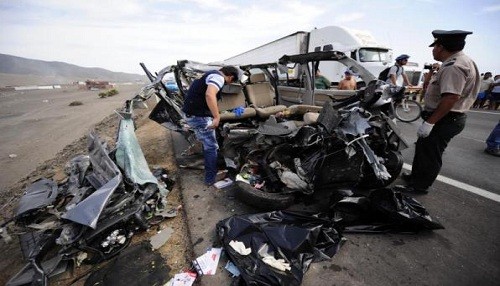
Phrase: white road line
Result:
[485,112]
[464,186]
[474,139]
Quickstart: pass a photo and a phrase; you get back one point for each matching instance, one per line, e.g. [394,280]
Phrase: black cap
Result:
[449,38]
[402,57]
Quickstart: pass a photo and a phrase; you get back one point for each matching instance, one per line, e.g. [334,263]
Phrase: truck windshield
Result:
[373,55]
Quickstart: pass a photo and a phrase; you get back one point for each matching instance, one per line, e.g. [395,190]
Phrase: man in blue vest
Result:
[202,113]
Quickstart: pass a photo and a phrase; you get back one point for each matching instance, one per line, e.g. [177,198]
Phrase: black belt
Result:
[455,114]
[450,114]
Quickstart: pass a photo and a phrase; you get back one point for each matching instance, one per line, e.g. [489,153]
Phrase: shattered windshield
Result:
[373,55]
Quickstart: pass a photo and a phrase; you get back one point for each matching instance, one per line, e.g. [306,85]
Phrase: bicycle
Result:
[405,109]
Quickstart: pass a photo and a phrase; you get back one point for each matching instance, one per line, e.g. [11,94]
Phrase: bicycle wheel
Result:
[407,110]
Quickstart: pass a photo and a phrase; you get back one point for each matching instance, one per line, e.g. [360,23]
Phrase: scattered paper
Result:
[182,279]
[223,183]
[208,262]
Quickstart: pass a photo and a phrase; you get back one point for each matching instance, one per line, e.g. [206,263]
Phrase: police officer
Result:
[449,95]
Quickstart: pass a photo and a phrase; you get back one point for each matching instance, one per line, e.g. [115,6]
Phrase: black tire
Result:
[408,111]
[394,165]
[262,200]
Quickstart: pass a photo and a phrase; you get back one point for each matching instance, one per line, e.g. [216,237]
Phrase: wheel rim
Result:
[408,111]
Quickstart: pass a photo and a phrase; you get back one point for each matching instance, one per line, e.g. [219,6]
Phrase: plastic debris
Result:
[159,239]
[12,155]
[170,212]
[5,235]
[383,210]
[297,238]
[235,272]
[238,111]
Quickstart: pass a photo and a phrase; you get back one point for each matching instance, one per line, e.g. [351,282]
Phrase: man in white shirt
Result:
[397,70]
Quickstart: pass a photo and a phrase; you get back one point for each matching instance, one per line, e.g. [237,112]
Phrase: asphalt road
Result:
[464,160]
[466,252]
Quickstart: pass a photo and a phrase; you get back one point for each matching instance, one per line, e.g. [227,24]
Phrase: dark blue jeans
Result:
[427,161]
[207,137]
[493,141]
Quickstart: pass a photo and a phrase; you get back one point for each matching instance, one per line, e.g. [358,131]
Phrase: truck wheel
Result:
[262,200]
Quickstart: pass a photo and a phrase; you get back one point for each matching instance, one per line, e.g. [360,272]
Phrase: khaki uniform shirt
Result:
[458,75]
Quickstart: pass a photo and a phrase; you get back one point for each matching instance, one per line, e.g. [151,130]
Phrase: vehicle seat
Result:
[261,96]
[301,109]
[232,97]
[308,113]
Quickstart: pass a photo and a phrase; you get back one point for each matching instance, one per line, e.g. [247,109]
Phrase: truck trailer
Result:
[359,45]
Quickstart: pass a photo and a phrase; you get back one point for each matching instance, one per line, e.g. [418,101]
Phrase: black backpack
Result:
[384,75]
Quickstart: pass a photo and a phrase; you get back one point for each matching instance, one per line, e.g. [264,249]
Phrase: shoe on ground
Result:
[406,177]
[410,189]
[221,175]
[494,152]
[211,188]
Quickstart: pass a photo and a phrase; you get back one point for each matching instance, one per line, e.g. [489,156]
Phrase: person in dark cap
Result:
[202,113]
[449,95]
[397,70]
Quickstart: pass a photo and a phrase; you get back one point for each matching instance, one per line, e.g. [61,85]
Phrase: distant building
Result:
[95,84]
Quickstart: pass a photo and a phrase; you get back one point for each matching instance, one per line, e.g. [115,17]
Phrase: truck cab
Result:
[358,45]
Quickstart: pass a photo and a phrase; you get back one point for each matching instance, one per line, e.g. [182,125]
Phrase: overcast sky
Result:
[118,34]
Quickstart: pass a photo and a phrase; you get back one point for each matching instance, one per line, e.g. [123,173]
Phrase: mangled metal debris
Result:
[92,216]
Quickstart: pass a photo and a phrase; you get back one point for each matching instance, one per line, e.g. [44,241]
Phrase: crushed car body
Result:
[91,216]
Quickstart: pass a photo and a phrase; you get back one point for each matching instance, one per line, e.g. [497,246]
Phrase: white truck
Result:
[359,45]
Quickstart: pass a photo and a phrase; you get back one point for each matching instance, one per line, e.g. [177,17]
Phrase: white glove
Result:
[239,247]
[277,263]
[425,129]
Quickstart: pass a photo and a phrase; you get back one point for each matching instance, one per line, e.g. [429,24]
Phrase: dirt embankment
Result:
[156,144]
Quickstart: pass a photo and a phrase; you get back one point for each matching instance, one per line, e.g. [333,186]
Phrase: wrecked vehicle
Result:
[91,216]
[348,146]
[288,137]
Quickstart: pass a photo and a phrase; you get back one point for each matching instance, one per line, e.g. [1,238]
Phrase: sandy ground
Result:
[45,133]
[36,124]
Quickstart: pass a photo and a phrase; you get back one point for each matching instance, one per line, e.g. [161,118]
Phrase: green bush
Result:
[112,92]
[76,103]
